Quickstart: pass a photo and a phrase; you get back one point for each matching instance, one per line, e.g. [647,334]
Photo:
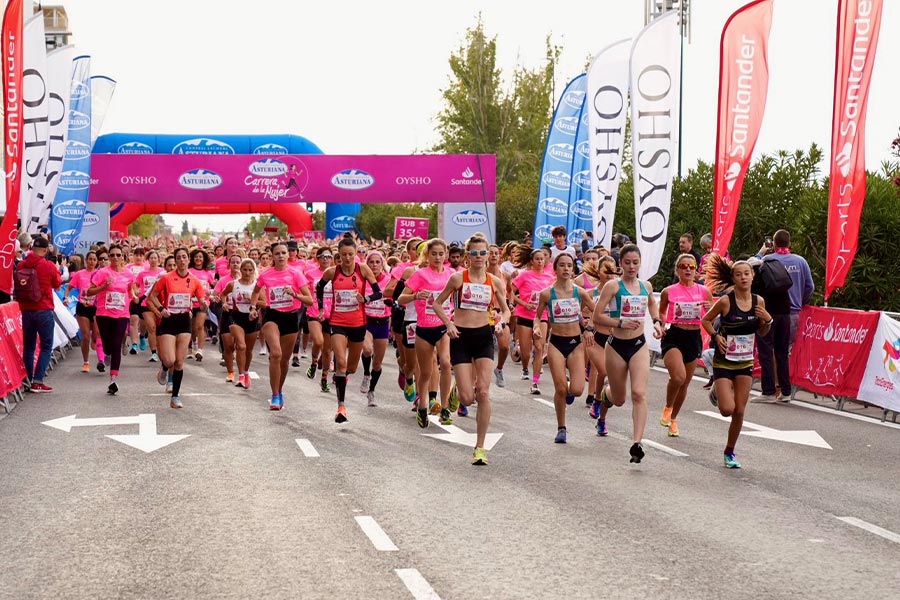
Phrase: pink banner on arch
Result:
[217,179]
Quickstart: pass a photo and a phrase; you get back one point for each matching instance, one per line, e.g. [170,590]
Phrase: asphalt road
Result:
[240,510]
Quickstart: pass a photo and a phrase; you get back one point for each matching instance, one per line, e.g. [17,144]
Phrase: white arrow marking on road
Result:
[458,436]
[805,437]
[146,440]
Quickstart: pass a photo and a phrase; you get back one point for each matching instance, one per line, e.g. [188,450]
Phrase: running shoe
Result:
[86,368]
[134,349]
[637,453]
[434,407]
[101,367]
[560,436]
[666,416]
[303,354]
[364,385]
[783,397]
[589,401]
[175,402]
[453,404]
[535,390]
[341,416]
[602,431]
[112,389]
[604,399]
[498,376]
[415,404]
[401,379]
[323,384]
[595,409]
[516,356]
[422,418]
[673,428]
[275,402]
[463,411]
[229,377]
[370,396]
[144,344]
[214,340]
[708,384]
[311,371]
[714,398]
[446,419]
[479,457]
[222,362]
[198,355]
[40,388]
[525,375]
[570,399]
[409,391]
[263,351]
[764,399]
[295,362]
[162,377]
[731,462]
[154,357]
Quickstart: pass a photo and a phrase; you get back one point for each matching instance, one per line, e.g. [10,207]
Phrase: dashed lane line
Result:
[376,534]
[888,535]
[307,448]
[416,584]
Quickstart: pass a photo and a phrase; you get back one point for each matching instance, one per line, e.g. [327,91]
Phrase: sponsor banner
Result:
[59,78]
[743,86]
[12,365]
[102,89]
[339,219]
[35,118]
[406,228]
[859,22]
[217,178]
[458,222]
[74,180]
[654,76]
[556,168]
[581,211]
[144,143]
[11,49]
[95,227]
[832,346]
[881,382]
[607,108]
[313,235]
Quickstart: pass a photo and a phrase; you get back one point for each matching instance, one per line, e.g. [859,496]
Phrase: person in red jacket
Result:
[37,316]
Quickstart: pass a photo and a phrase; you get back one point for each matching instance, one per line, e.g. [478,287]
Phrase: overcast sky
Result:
[363,77]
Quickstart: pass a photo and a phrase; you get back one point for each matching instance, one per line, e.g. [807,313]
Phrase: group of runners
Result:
[453,320]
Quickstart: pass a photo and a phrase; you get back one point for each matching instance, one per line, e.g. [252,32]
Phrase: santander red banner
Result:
[859,22]
[743,86]
[12,367]
[216,179]
[12,136]
[832,349]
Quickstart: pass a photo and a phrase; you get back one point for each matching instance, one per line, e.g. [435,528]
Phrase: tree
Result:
[144,226]
[377,220]
[185,230]
[318,219]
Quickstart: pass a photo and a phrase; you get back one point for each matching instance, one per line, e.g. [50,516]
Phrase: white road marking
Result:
[888,535]
[376,534]
[187,395]
[844,414]
[254,375]
[545,402]
[416,584]
[804,437]
[662,448]
[308,450]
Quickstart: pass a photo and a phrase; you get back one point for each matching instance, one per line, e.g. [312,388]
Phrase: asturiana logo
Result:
[268,167]
[574,98]
[203,146]
[470,218]
[584,149]
[557,180]
[76,150]
[582,209]
[567,125]
[575,236]
[543,232]
[343,223]
[200,179]
[79,91]
[352,179]
[270,149]
[134,148]
[74,180]
[63,238]
[78,120]
[583,179]
[553,207]
[561,152]
[70,209]
[91,218]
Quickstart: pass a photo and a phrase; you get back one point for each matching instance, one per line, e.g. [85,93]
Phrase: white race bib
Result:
[739,348]
[375,308]
[633,307]
[687,311]
[241,301]
[411,333]
[179,303]
[566,310]
[345,301]
[148,283]
[115,301]
[279,298]
[429,304]
[475,296]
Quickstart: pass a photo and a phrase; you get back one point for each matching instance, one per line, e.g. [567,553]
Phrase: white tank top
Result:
[240,296]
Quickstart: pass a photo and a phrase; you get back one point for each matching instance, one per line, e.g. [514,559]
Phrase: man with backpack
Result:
[33,285]
[785,282]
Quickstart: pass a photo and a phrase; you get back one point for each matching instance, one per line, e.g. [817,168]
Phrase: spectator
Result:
[686,246]
[559,243]
[587,241]
[37,313]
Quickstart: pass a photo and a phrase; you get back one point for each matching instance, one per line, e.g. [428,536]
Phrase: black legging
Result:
[112,334]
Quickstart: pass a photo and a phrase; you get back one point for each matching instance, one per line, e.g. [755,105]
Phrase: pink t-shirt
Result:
[136,269]
[376,308]
[114,300]
[81,281]
[224,280]
[397,272]
[146,280]
[277,284]
[222,266]
[314,274]
[685,304]
[429,280]
[206,278]
[530,285]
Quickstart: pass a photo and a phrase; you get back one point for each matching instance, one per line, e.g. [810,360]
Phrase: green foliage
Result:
[257,224]
[318,220]
[377,220]
[185,230]
[144,226]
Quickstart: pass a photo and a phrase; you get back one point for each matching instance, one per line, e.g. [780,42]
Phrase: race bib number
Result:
[115,301]
[566,310]
[241,301]
[534,297]
[633,307]
[739,348]
[687,311]
[148,283]
[178,303]
[411,333]
[475,296]
[279,297]
[429,304]
[375,308]
[345,301]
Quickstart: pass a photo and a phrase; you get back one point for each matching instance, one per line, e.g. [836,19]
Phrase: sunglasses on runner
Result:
[116,254]
[326,256]
[689,267]
[478,252]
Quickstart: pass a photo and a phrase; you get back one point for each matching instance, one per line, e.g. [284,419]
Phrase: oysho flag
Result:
[75,180]
[12,137]
[580,215]
[35,118]
[859,22]
[654,74]
[102,89]
[743,86]
[607,106]
[556,169]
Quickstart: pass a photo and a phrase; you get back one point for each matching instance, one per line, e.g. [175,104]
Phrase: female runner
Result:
[604,271]
[564,301]
[244,330]
[146,280]
[378,328]
[403,323]
[199,261]
[502,333]
[476,292]
[218,296]
[526,288]
[286,290]
[627,355]
[348,317]
[170,302]
[86,309]
[744,316]
[318,320]
[681,305]
[135,312]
